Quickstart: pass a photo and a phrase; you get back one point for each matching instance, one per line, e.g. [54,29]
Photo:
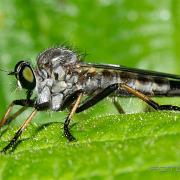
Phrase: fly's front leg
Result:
[19,132]
[23,102]
[67,132]
[148,100]
[15,115]
[4,119]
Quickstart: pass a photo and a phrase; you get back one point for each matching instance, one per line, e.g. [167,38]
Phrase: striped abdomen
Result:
[152,86]
[149,85]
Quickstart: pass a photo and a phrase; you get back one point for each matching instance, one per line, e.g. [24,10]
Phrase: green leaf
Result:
[119,146]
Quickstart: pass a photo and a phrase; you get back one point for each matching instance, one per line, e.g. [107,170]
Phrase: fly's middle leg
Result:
[67,132]
[89,102]
[23,102]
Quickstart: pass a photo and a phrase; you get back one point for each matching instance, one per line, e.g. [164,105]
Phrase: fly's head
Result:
[25,77]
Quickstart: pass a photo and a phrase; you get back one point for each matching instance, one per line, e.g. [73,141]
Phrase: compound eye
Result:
[28,74]
[25,75]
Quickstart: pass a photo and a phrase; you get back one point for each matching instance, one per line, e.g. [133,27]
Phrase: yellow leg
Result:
[19,132]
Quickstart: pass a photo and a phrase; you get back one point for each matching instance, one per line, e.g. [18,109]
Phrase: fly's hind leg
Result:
[110,89]
[91,101]
[118,106]
[148,100]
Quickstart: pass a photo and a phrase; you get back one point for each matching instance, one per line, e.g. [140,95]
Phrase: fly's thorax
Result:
[54,90]
[56,76]
[56,57]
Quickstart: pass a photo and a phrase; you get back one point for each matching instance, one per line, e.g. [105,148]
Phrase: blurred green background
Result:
[133,33]
[142,33]
[139,33]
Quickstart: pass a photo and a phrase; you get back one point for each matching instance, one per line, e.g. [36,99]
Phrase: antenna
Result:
[4,70]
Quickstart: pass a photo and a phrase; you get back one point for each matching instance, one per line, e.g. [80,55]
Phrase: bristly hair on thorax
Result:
[81,54]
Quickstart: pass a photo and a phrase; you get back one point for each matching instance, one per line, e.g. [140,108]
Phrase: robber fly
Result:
[61,80]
